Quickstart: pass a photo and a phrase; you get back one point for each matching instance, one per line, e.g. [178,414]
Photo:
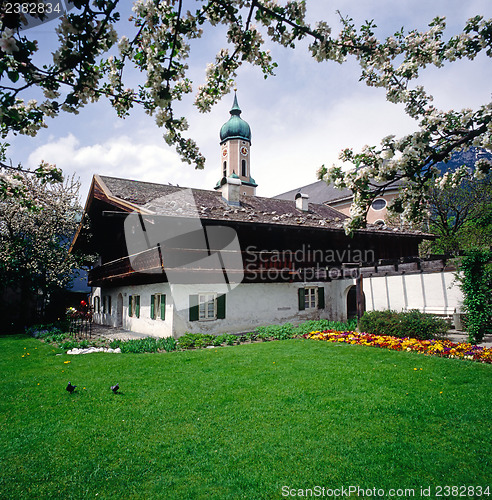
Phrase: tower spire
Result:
[235,141]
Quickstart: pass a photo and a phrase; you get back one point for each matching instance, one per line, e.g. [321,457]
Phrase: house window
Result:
[207,307]
[97,304]
[107,304]
[243,168]
[158,306]
[134,306]
[378,204]
[311,297]
[224,170]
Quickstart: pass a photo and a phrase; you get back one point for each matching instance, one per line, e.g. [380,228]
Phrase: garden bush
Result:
[476,284]
[277,332]
[231,339]
[147,344]
[44,331]
[411,323]
[190,340]
[219,340]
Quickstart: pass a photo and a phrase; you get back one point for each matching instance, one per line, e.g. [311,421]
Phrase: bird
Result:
[70,387]
[115,388]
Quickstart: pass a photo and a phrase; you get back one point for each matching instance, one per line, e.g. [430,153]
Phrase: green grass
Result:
[238,422]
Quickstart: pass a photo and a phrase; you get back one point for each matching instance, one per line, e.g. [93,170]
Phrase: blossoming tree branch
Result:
[83,70]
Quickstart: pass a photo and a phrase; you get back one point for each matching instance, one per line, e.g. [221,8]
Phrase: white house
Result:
[175,260]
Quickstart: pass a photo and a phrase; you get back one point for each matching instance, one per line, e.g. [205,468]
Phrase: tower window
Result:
[243,168]
[224,171]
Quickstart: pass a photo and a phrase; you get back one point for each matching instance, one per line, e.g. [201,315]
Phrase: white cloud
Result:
[121,156]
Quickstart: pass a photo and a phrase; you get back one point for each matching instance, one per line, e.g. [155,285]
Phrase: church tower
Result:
[235,144]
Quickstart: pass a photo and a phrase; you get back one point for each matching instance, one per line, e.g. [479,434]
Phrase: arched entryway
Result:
[119,311]
[352,302]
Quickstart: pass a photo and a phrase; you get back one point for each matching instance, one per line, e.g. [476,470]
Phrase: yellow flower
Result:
[65,362]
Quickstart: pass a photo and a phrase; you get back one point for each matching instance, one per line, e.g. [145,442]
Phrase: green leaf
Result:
[13,75]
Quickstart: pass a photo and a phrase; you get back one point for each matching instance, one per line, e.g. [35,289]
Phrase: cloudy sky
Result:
[300,119]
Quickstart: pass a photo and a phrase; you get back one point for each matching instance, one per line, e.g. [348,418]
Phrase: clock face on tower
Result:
[224,152]
[244,151]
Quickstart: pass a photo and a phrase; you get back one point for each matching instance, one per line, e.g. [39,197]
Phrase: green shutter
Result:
[129,305]
[221,307]
[302,299]
[137,306]
[321,297]
[163,307]
[193,307]
[152,306]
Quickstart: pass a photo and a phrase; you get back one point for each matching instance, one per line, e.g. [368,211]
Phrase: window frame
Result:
[220,308]
[378,209]
[310,290]
[158,306]
[134,306]
[319,293]
[205,308]
[97,304]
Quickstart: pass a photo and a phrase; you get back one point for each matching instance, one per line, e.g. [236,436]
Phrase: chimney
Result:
[230,187]
[302,202]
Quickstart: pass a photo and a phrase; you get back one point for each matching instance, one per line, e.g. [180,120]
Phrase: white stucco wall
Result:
[434,293]
[144,324]
[248,306]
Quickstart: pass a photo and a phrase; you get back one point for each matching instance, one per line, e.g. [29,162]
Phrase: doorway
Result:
[119,311]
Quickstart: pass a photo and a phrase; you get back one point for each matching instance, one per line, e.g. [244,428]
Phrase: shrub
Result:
[44,331]
[231,339]
[219,340]
[114,344]
[168,344]
[147,344]
[189,340]
[411,323]
[476,284]
[70,344]
[204,340]
[277,332]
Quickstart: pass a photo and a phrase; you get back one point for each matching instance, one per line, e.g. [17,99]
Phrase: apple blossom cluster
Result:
[35,245]
[12,179]
[413,158]
[91,58]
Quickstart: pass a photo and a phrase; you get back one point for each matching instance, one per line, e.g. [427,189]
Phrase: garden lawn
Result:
[239,422]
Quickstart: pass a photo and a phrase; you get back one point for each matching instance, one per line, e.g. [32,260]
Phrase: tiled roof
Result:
[321,192]
[161,199]
[318,192]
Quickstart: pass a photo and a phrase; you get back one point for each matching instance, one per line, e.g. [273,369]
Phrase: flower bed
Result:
[442,348]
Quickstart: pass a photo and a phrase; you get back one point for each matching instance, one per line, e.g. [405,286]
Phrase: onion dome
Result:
[236,127]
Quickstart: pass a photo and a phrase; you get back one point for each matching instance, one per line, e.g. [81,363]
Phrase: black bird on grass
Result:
[115,388]
[70,387]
